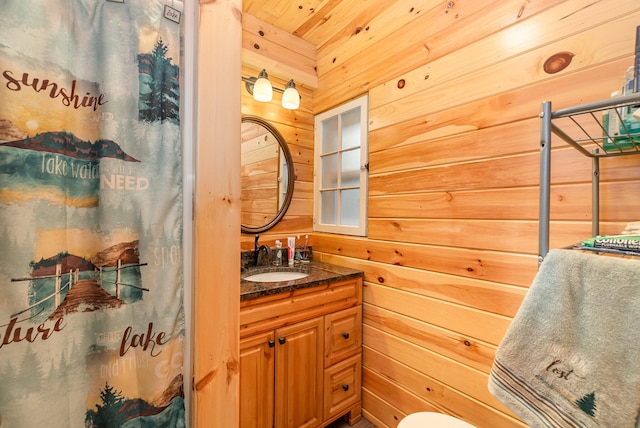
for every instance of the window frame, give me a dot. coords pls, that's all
(361, 229)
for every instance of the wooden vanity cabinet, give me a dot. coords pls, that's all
(300, 357)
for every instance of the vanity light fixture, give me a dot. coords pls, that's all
(262, 90)
(291, 97)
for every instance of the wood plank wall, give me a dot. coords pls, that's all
(455, 91)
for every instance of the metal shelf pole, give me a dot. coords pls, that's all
(595, 195)
(545, 180)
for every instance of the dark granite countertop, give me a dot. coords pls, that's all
(318, 274)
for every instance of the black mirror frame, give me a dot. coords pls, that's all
(291, 176)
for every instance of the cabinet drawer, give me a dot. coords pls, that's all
(342, 386)
(343, 335)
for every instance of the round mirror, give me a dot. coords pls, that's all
(267, 175)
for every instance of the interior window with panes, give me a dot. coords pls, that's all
(341, 163)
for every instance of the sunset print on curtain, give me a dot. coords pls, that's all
(92, 329)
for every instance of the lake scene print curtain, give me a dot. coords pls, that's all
(92, 325)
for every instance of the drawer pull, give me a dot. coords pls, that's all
(282, 340)
(272, 343)
(345, 387)
(345, 335)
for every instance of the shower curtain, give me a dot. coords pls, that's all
(92, 328)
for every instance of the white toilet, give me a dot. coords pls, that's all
(432, 420)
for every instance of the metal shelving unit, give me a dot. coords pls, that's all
(577, 126)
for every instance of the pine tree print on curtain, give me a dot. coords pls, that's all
(159, 86)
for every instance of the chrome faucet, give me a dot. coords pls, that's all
(259, 250)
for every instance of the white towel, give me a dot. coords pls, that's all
(571, 356)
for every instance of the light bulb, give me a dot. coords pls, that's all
(291, 97)
(262, 90)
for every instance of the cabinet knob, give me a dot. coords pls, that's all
(282, 340)
(345, 387)
(345, 335)
(272, 343)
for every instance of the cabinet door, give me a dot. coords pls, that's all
(257, 364)
(299, 374)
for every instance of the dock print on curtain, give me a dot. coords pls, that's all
(92, 327)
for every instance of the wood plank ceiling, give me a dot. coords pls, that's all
(317, 21)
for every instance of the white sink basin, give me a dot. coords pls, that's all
(276, 276)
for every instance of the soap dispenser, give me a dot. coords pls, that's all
(277, 260)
